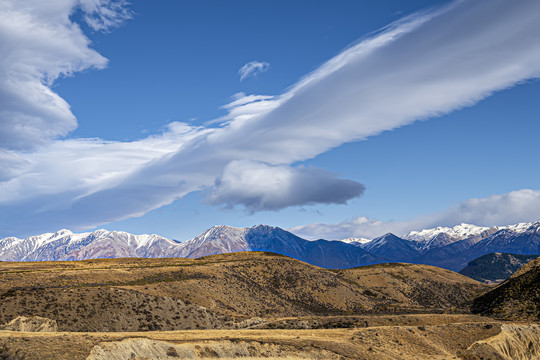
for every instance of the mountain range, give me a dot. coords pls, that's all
(450, 248)
(66, 245)
(453, 248)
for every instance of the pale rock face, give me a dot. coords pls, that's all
(31, 324)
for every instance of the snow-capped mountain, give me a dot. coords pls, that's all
(461, 231)
(523, 238)
(392, 247)
(216, 240)
(441, 236)
(66, 245)
(355, 241)
(451, 248)
(224, 239)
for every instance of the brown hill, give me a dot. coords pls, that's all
(220, 291)
(517, 298)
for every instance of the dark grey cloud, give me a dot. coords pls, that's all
(257, 186)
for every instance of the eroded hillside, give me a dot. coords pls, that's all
(453, 340)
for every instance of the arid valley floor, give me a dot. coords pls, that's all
(256, 305)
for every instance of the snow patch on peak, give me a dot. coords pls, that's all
(63, 232)
(353, 240)
(521, 227)
(263, 227)
(148, 240)
(460, 232)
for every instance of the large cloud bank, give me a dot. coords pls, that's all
(423, 66)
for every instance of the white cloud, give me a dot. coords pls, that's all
(87, 165)
(423, 66)
(103, 15)
(51, 187)
(39, 43)
(259, 186)
(253, 68)
(496, 210)
(501, 209)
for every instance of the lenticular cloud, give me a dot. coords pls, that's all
(423, 66)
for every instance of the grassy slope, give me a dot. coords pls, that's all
(216, 291)
(517, 298)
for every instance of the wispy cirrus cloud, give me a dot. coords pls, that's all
(104, 15)
(423, 66)
(496, 210)
(253, 68)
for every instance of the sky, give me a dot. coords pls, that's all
(330, 119)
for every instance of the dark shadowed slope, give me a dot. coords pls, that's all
(516, 298)
(495, 267)
(393, 248)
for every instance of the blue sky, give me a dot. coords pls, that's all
(358, 117)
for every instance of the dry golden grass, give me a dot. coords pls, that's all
(442, 341)
(219, 291)
(387, 311)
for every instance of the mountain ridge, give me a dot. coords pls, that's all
(450, 248)
(66, 245)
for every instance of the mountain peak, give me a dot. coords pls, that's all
(458, 232)
(224, 227)
(388, 235)
(263, 226)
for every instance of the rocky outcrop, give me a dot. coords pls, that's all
(514, 342)
(140, 348)
(31, 324)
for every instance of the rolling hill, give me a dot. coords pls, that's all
(220, 291)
